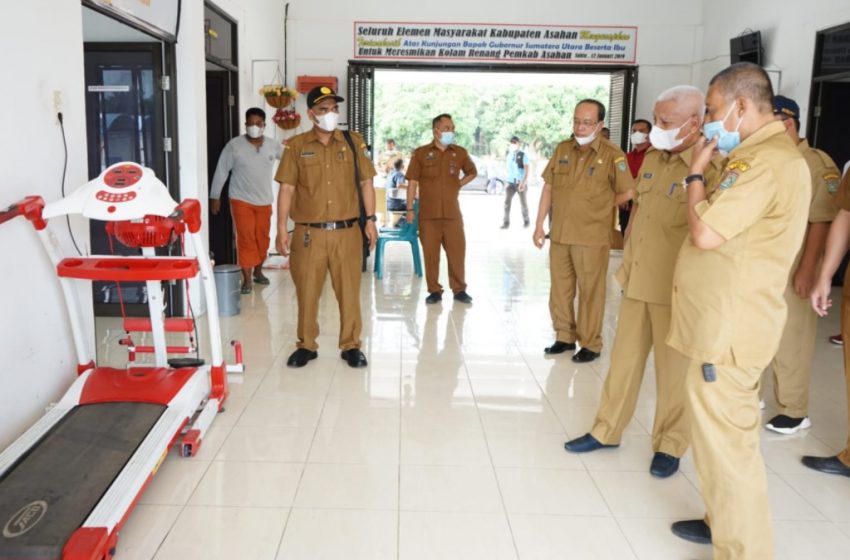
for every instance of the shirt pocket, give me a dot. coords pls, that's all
(312, 169)
(431, 169)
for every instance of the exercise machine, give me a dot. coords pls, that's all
(68, 483)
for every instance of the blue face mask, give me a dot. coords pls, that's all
(726, 141)
(447, 138)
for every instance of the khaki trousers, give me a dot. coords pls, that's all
(449, 235)
(844, 456)
(792, 366)
(725, 426)
(642, 326)
(339, 252)
(585, 267)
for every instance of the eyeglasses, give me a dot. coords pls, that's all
(584, 123)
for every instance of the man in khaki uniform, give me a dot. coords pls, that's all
(836, 247)
(656, 231)
(434, 176)
(792, 366)
(317, 187)
(728, 306)
(585, 177)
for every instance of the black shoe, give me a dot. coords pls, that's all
(354, 357)
(300, 357)
(262, 280)
(663, 465)
(584, 356)
(694, 530)
(526, 223)
(559, 347)
(586, 444)
(829, 465)
(434, 297)
(505, 226)
(787, 425)
(463, 297)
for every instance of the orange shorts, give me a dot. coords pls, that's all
(252, 224)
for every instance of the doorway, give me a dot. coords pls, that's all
(222, 87)
(128, 104)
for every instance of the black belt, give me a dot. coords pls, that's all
(344, 224)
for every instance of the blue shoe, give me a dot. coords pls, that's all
(694, 530)
(663, 465)
(585, 444)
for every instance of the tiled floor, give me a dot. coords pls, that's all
(449, 446)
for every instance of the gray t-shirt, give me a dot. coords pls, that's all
(250, 168)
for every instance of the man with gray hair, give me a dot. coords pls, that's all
(728, 306)
(654, 235)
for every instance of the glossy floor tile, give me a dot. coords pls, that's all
(450, 444)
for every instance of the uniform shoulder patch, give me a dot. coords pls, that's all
(620, 162)
(729, 179)
(738, 165)
(832, 180)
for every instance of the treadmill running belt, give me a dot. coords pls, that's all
(51, 491)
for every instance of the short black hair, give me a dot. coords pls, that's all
(255, 111)
(599, 107)
(745, 79)
(643, 121)
(515, 139)
(390, 140)
(398, 164)
(438, 118)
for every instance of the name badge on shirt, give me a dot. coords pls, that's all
(308, 154)
(430, 156)
(647, 175)
(563, 161)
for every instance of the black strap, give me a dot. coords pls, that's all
(357, 186)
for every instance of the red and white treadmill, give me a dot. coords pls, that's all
(68, 483)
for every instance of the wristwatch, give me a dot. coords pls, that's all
(691, 178)
(372, 217)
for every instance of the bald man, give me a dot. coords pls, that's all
(728, 302)
(658, 227)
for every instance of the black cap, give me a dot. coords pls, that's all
(515, 139)
(784, 106)
(319, 94)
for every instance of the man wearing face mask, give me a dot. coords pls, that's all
(640, 144)
(585, 178)
(517, 164)
(318, 189)
(434, 175)
(792, 366)
(248, 161)
(728, 306)
(659, 226)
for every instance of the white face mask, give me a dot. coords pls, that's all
(666, 139)
(638, 138)
(585, 140)
(254, 131)
(328, 121)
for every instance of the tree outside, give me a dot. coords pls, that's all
(487, 109)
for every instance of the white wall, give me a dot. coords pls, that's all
(788, 32)
(38, 355)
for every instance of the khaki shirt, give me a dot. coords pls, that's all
(660, 225)
(323, 176)
(825, 179)
(842, 198)
(583, 184)
(438, 173)
(728, 304)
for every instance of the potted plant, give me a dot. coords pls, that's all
(286, 119)
(278, 96)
